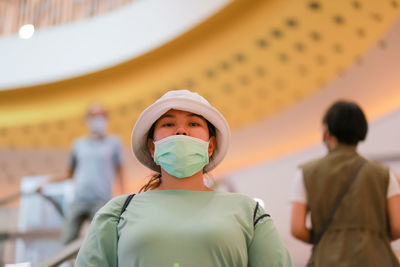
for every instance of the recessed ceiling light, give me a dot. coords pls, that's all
(26, 31)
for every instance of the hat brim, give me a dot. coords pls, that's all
(155, 111)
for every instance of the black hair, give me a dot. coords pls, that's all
(346, 121)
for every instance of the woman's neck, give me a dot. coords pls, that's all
(194, 182)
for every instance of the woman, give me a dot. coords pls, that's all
(366, 218)
(177, 221)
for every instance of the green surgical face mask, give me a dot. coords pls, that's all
(181, 155)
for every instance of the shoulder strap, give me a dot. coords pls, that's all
(256, 220)
(337, 202)
(126, 203)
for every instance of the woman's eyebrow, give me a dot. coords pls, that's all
(166, 116)
(195, 115)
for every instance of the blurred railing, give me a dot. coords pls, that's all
(10, 234)
(47, 13)
(67, 253)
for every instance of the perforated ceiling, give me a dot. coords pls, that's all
(251, 60)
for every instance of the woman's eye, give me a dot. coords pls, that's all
(167, 124)
(194, 124)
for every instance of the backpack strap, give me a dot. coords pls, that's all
(256, 220)
(126, 203)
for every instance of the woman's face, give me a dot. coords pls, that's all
(178, 122)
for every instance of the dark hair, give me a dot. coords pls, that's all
(346, 121)
(155, 179)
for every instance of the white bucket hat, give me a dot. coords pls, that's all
(186, 101)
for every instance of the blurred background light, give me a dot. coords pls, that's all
(26, 31)
(260, 201)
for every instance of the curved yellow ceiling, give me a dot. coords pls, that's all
(251, 60)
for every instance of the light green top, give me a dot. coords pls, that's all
(182, 228)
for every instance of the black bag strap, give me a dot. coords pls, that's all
(337, 202)
(256, 220)
(126, 203)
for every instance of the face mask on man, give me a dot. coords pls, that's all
(180, 155)
(97, 124)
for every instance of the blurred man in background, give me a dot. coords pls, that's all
(96, 160)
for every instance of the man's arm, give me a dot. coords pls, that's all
(393, 204)
(118, 163)
(298, 222)
(68, 175)
(120, 178)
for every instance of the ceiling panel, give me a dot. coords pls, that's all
(252, 60)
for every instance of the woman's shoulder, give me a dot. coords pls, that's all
(238, 198)
(247, 205)
(113, 207)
